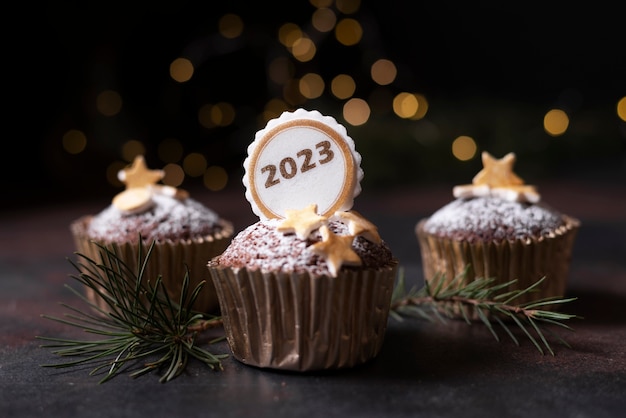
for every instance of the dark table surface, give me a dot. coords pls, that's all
(424, 369)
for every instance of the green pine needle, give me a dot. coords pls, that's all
(140, 322)
(490, 303)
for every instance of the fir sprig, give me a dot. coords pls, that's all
(141, 328)
(490, 302)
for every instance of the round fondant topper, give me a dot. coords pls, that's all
(299, 159)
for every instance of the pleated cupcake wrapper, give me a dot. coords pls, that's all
(301, 323)
(526, 261)
(167, 259)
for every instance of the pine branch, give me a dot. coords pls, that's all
(139, 323)
(491, 304)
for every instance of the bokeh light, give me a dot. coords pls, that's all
(132, 148)
(383, 72)
(348, 31)
(405, 105)
(230, 26)
(621, 109)
(215, 178)
(181, 70)
(555, 122)
(194, 164)
(231, 72)
(174, 175)
(311, 85)
(109, 103)
(348, 6)
(343, 86)
(324, 19)
(356, 111)
(74, 141)
(464, 148)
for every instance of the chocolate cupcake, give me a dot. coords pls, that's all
(308, 286)
(499, 228)
(185, 234)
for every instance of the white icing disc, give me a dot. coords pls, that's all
(298, 159)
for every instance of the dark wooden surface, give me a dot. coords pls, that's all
(424, 369)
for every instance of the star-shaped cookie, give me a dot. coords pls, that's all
(358, 225)
(498, 179)
(138, 174)
(302, 221)
(497, 173)
(139, 183)
(336, 249)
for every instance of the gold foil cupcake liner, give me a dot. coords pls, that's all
(526, 261)
(298, 322)
(168, 259)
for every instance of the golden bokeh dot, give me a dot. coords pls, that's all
(223, 114)
(109, 102)
(303, 49)
(194, 164)
(74, 141)
(311, 85)
(181, 70)
(383, 72)
(348, 32)
(422, 107)
(405, 105)
(555, 122)
(289, 33)
(215, 178)
(132, 148)
(342, 86)
(621, 109)
(205, 117)
(280, 70)
(464, 148)
(324, 19)
(230, 26)
(356, 112)
(348, 6)
(174, 175)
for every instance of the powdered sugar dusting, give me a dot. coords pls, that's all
(488, 218)
(262, 246)
(169, 218)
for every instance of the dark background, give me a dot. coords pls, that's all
(488, 71)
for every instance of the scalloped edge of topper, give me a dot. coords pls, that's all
(287, 117)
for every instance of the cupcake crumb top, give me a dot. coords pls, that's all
(167, 218)
(262, 246)
(489, 218)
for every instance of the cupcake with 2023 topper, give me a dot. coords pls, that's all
(308, 286)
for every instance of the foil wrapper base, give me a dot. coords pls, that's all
(525, 261)
(168, 259)
(296, 322)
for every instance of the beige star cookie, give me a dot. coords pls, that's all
(139, 180)
(497, 173)
(138, 174)
(498, 179)
(336, 249)
(302, 221)
(358, 225)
